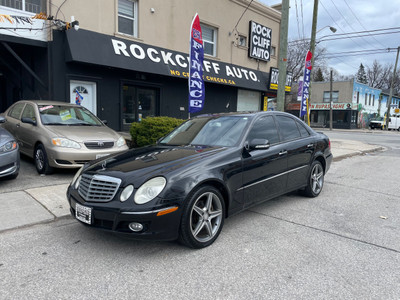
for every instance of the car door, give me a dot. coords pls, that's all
(28, 132)
(13, 120)
(264, 170)
(300, 147)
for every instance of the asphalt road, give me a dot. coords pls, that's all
(343, 244)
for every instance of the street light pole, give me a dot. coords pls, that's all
(312, 43)
(391, 89)
(282, 63)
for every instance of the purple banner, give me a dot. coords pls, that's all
(196, 82)
(306, 84)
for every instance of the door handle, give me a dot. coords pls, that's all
(17, 125)
(283, 152)
(310, 145)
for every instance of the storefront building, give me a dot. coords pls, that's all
(129, 59)
(354, 104)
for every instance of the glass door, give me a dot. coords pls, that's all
(138, 102)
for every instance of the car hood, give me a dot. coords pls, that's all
(84, 133)
(154, 160)
(5, 136)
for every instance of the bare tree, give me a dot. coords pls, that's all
(378, 75)
(297, 51)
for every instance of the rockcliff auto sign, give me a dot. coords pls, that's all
(107, 50)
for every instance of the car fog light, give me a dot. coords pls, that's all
(136, 227)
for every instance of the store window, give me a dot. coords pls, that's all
(273, 51)
(209, 35)
(242, 41)
(33, 6)
(127, 17)
(138, 103)
(335, 96)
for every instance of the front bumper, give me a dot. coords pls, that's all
(9, 163)
(60, 157)
(112, 216)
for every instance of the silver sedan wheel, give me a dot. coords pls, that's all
(317, 178)
(206, 217)
(39, 158)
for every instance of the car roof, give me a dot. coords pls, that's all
(48, 102)
(244, 113)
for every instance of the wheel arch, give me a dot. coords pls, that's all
(322, 160)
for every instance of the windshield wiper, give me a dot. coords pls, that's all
(55, 123)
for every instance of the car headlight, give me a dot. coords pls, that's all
(126, 193)
(63, 142)
(75, 181)
(9, 146)
(121, 142)
(150, 189)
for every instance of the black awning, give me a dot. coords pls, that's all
(99, 49)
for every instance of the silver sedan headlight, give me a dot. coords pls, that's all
(9, 146)
(121, 142)
(63, 142)
(150, 189)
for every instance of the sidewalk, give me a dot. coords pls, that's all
(46, 204)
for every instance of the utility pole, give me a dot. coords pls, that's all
(330, 106)
(391, 90)
(312, 42)
(282, 63)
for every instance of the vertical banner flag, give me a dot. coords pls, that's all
(196, 83)
(306, 84)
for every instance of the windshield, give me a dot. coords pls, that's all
(221, 131)
(67, 115)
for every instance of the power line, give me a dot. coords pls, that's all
(323, 6)
(235, 28)
(355, 16)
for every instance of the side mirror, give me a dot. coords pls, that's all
(2, 119)
(258, 144)
(28, 121)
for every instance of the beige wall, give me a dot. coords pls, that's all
(345, 89)
(169, 25)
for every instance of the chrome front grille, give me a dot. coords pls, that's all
(99, 144)
(98, 188)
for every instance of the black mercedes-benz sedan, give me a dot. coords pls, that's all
(209, 168)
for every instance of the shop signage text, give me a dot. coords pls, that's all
(109, 51)
(273, 80)
(260, 41)
(325, 106)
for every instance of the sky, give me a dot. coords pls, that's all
(348, 16)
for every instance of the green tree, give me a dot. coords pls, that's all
(361, 75)
(319, 76)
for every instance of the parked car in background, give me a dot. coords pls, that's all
(9, 153)
(209, 168)
(60, 135)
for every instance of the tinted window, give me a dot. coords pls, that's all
(264, 128)
(288, 128)
(16, 110)
(303, 130)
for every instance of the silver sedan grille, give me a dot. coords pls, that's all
(98, 188)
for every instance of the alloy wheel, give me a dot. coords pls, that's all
(317, 178)
(206, 217)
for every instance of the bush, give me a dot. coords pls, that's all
(150, 129)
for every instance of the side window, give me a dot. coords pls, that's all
(303, 130)
(288, 128)
(264, 128)
(29, 112)
(15, 112)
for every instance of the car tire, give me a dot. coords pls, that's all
(41, 160)
(203, 217)
(315, 180)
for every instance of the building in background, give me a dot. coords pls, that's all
(354, 104)
(129, 58)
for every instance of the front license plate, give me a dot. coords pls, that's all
(101, 155)
(83, 213)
